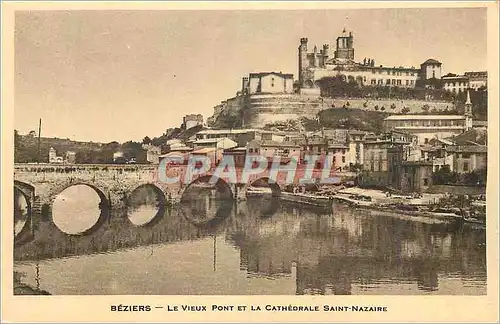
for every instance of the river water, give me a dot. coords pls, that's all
(260, 246)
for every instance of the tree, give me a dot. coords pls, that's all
(444, 176)
(17, 145)
(146, 140)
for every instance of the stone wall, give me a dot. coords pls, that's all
(267, 108)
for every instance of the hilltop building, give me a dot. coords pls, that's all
(470, 80)
(192, 120)
(267, 82)
(427, 127)
(320, 64)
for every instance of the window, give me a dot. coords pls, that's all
(388, 81)
(426, 182)
(374, 81)
(399, 82)
(426, 141)
(466, 166)
(343, 159)
(407, 82)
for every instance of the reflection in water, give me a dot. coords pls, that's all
(76, 209)
(260, 246)
(145, 204)
(21, 212)
(205, 207)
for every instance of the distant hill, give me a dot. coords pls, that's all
(26, 147)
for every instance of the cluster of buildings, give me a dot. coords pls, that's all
(69, 157)
(403, 156)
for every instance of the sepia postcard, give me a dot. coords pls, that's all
(250, 161)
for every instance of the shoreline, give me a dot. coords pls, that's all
(388, 206)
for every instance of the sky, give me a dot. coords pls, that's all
(107, 76)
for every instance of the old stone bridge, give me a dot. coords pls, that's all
(41, 183)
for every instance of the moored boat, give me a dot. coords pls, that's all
(308, 199)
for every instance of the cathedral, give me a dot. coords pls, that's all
(320, 64)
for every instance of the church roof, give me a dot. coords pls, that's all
(431, 61)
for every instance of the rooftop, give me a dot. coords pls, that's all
(173, 154)
(431, 61)
(228, 131)
(274, 143)
(204, 150)
(337, 145)
(468, 149)
(209, 140)
(357, 132)
(261, 74)
(236, 149)
(424, 117)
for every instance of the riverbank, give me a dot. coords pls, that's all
(426, 205)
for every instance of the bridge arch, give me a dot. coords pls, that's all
(22, 214)
(220, 184)
(101, 190)
(138, 218)
(276, 189)
(104, 204)
(27, 188)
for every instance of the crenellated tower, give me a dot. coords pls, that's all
(303, 61)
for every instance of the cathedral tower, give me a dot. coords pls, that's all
(345, 47)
